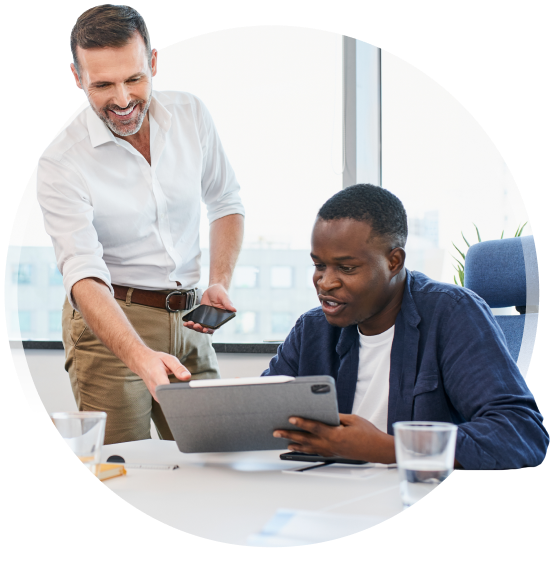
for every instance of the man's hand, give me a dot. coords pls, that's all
(355, 438)
(155, 367)
(215, 296)
(108, 322)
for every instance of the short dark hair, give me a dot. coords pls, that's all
(371, 204)
(107, 26)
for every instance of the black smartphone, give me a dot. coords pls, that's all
(305, 457)
(209, 316)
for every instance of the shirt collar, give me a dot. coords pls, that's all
(100, 133)
(408, 305)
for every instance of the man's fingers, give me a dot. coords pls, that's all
(173, 366)
(296, 436)
(346, 419)
(309, 425)
(197, 327)
(217, 296)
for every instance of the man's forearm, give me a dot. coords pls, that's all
(106, 320)
(226, 235)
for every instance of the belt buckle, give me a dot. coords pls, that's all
(174, 293)
(190, 300)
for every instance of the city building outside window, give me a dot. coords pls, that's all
(284, 138)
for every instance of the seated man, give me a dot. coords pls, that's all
(402, 347)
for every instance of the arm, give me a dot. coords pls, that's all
(68, 218)
(220, 193)
(104, 317)
(501, 425)
(225, 241)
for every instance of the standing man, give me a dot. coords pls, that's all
(120, 189)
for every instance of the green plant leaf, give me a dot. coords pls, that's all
(460, 263)
(455, 281)
(502, 236)
(463, 237)
(463, 256)
(519, 230)
(478, 234)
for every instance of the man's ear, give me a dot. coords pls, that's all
(397, 257)
(76, 76)
(154, 65)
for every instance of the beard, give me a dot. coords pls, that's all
(125, 127)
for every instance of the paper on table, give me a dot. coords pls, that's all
(289, 527)
(345, 471)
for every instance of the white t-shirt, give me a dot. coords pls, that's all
(371, 400)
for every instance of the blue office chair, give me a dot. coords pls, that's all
(505, 273)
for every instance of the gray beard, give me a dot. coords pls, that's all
(124, 130)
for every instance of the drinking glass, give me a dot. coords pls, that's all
(83, 431)
(424, 456)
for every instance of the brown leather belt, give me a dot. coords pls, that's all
(171, 301)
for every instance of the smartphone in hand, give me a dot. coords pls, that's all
(209, 316)
(304, 457)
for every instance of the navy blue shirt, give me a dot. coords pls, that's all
(449, 362)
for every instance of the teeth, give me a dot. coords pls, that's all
(124, 112)
(332, 304)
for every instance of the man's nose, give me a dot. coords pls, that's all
(121, 96)
(327, 281)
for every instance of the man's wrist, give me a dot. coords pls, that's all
(380, 449)
(224, 284)
(137, 357)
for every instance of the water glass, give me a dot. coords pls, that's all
(83, 431)
(424, 456)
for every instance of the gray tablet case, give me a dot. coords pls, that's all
(238, 418)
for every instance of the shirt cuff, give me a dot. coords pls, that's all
(227, 210)
(85, 266)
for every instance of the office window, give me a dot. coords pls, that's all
(275, 94)
(245, 322)
(281, 322)
(445, 169)
(25, 321)
(246, 277)
(22, 273)
(55, 277)
(281, 277)
(55, 321)
(310, 277)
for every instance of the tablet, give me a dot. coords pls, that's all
(241, 414)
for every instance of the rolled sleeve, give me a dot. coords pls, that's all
(220, 188)
(68, 219)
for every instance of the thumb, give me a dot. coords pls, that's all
(176, 368)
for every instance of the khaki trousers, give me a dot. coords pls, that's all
(101, 382)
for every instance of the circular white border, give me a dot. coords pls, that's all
(185, 539)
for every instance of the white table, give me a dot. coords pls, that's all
(229, 496)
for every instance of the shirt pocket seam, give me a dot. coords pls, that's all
(426, 382)
(74, 329)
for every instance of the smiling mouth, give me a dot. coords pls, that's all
(124, 113)
(331, 307)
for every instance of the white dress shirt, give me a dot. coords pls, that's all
(371, 400)
(114, 217)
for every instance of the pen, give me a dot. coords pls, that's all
(306, 468)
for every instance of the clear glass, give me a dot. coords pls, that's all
(424, 456)
(83, 431)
